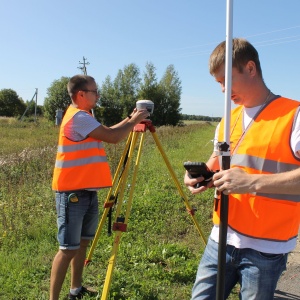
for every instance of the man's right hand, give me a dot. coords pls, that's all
(191, 182)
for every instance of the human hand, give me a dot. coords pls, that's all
(139, 115)
(233, 181)
(191, 182)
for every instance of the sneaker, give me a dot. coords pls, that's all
(83, 291)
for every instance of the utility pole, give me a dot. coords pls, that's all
(36, 93)
(35, 107)
(83, 68)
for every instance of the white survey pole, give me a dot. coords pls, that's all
(228, 69)
(225, 152)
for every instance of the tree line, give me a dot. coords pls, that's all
(118, 97)
(200, 118)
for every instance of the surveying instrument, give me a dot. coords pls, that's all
(116, 193)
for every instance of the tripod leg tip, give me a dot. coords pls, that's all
(86, 262)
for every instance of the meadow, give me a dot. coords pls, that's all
(158, 254)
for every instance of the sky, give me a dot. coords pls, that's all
(43, 41)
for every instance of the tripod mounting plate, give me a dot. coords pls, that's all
(143, 126)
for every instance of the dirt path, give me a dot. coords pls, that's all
(288, 286)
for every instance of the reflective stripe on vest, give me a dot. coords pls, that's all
(79, 162)
(264, 149)
(78, 147)
(266, 166)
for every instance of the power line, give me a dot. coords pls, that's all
(181, 53)
(278, 30)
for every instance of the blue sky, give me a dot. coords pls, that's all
(45, 40)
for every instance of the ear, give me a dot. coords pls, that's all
(80, 94)
(251, 68)
(78, 97)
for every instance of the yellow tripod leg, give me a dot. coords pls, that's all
(134, 176)
(121, 223)
(111, 265)
(182, 194)
(110, 200)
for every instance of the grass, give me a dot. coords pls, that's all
(158, 255)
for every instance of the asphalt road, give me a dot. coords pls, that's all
(288, 286)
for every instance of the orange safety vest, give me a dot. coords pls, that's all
(263, 149)
(79, 165)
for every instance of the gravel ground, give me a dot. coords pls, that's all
(288, 286)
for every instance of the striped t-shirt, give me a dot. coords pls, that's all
(80, 126)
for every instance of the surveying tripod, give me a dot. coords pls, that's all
(119, 184)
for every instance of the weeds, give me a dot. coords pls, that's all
(158, 255)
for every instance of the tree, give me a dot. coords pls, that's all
(58, 98)
(111, 108)
(150, 90)
(165, 95)
(129, 82)
(118, 97)
(169, 103)
(10, 104)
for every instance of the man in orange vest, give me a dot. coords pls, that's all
(81, 169)
(262, 182)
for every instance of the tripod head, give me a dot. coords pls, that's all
(143, 126)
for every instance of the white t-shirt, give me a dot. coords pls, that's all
(238, 240)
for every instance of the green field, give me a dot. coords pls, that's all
(158, 255)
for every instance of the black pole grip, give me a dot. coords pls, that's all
(223, 230)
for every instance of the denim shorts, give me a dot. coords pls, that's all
(77, 217)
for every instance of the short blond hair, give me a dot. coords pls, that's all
(242, 53)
